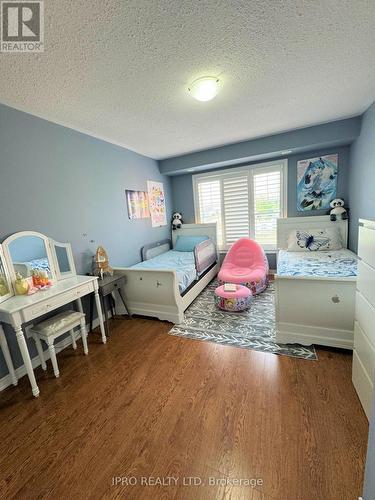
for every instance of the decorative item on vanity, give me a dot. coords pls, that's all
(338, 211)
(177, 220)
(21, 285)
(101, 266)
(233, 298)
(245, 264)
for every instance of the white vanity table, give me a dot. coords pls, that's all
(67, 287)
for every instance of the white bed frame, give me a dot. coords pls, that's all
(155, 293)
(314, 310)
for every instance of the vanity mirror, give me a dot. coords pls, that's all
(6, 290)
(63, 259)
(28, 252)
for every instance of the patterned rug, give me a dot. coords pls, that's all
(251, 329)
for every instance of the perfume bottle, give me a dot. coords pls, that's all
(21, 285)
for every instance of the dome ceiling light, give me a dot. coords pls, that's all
(204, 88)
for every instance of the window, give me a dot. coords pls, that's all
(244, 202)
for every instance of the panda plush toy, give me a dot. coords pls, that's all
(338, 211)
(177, 221)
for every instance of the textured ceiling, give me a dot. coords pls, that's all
(118, 70)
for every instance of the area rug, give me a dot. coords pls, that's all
(251, 329)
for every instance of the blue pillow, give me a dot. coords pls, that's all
(188, 243)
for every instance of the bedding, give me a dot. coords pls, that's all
(337, 263)
(314, 240)
(181, 262)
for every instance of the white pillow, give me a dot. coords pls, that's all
(304, 240)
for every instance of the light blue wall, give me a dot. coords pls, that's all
(182, 186)
(318, 137)
(71, 187)
(362, 175)
(183, 200)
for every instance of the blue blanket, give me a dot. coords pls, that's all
(181, 262)
(338, 263)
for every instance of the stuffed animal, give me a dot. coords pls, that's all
(177, 220)
(338, 212)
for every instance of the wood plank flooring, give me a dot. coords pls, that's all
(149, 405)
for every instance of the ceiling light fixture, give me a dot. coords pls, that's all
(204, 88)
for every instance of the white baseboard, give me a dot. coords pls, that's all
(59, 346)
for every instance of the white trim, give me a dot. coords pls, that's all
(250, 170)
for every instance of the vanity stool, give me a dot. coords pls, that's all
(54, 327)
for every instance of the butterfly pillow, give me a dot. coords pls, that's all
(314, 240)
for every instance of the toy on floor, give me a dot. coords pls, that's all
(177, 221)
(234, 301)
(338, 211)
(245, 264)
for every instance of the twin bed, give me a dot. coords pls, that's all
(315, 290)
(167, 281)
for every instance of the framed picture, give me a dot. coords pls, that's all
(316, 182)
(137, 203)
(156, 199)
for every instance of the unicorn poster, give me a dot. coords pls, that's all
(156, 200)
(316, 182)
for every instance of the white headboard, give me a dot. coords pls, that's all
(285, 226)
(196, 230)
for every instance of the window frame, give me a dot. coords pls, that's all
(250, 170)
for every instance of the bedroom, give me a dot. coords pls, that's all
(183, 399)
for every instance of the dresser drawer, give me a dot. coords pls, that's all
(362, 383)
(366, 245)
(365, 315)
(366, 281)
(365, 351)
(113, 285)
(48, 305)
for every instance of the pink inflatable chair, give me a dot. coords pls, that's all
(245, 264)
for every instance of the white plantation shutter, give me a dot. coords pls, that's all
(209, 203)
(236, 207)
(244, 202)
(266, 206)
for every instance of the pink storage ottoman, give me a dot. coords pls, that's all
(233, 301)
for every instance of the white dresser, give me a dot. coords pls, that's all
(363, 374)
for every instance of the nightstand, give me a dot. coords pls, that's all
(107, 286)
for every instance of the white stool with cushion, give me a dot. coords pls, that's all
(54, 327)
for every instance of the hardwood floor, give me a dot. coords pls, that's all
(149, 405)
